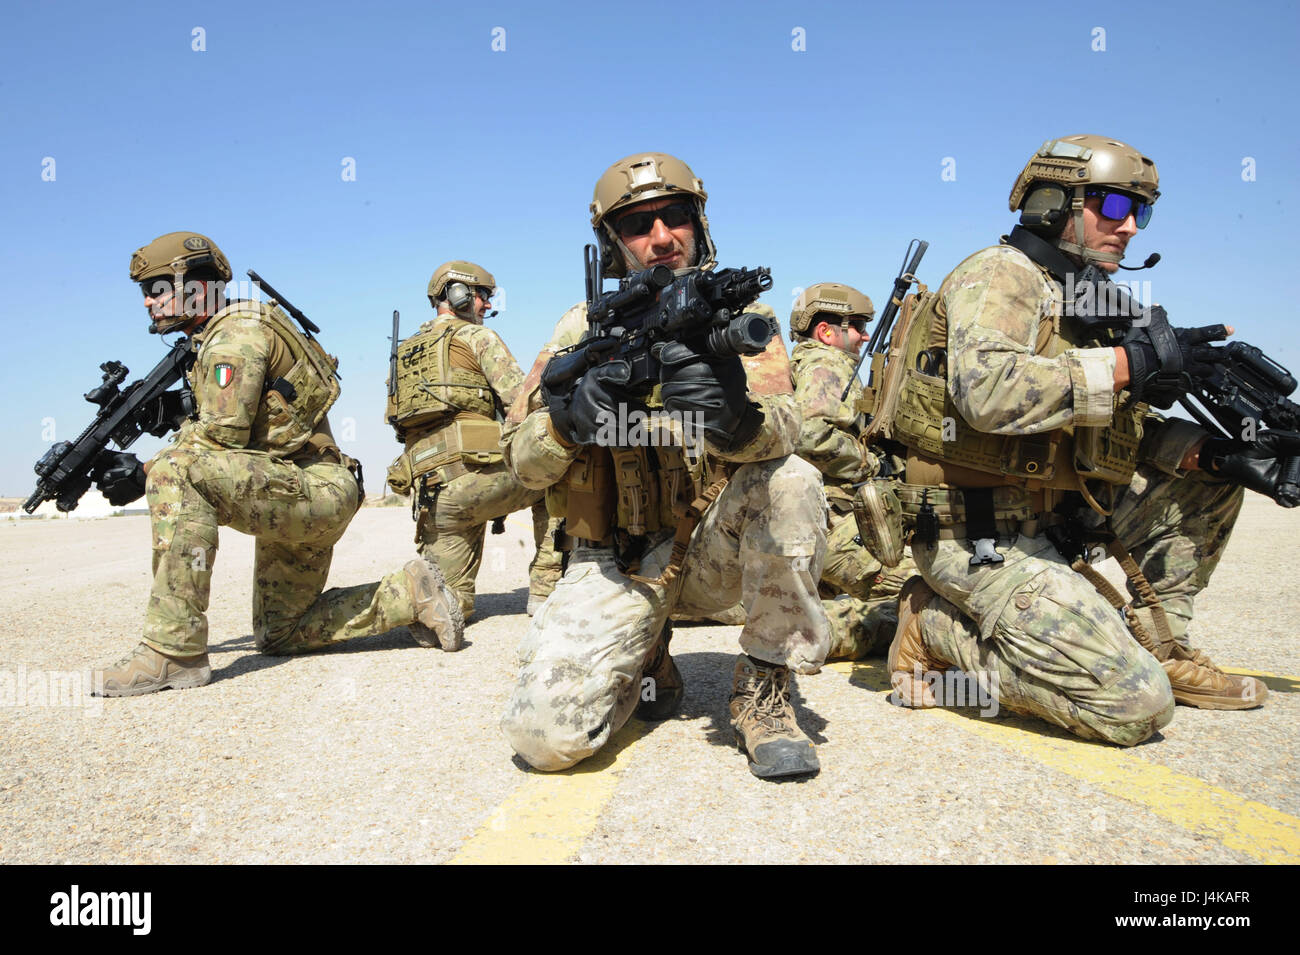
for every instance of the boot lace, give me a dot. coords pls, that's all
(768, 700)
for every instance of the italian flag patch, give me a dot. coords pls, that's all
(222, 373)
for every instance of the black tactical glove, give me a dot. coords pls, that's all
(120, 476)
(593, 403)
(1269, 465)
(1164, 361)
(713, 390)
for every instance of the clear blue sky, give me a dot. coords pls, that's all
(820, 163)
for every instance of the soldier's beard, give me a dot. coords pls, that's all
(633, 264)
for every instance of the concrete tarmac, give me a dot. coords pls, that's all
(382, 751)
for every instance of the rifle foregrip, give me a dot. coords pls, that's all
(562, 371)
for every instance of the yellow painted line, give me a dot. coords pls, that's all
(1279, 682)
(548, 818)
(1259, 831)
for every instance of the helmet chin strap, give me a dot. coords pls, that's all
(173, 322)
(1078, 249)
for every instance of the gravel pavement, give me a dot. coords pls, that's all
(382, 751)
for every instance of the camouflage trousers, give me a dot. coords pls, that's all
(451, 532)
(297, 514)
(1058, 650)
(762, 543)
(859, 594)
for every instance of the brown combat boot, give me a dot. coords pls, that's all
(909, 658)
(145, 670)
(661, 697)
(764, 721)
(438, 620)
(1196, 681)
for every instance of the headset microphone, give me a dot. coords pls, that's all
(1152, 259)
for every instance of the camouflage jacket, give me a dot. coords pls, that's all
(997, 303)
(233, 364)
(828, 439)
(538, 459)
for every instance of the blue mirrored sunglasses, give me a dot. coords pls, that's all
(1120, 205)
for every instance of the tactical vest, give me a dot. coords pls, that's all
(921, 414)
(437, 377)
(444, 409)
(641, 491)
(298, 396)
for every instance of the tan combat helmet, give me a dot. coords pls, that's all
(640, 178)
(828, 302)
(172, 257)
(1055, 178)
(454, 283)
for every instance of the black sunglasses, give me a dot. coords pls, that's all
(640, 223)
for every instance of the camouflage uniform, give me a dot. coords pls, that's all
(219, 472)
(451, 530)
(1060, 651)
(761, 542)
(859, 594)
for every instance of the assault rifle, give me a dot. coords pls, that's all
(308, 326)
(878, 344)
(651, 308)
(392, 363)
(1245, 389)
(66, 471)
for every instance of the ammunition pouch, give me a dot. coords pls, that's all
(926, 417)
(879, 515)
(1016, 510)
(1110, 453)
(441, 456)
(586, 498)
(636, 490)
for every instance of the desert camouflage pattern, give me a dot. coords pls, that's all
(761, 544)
(998, 301)
(860, 596)
(296, 513)
(237, 353)
(210, 477)
(1059, 649)
(453, 534)
(828, 439)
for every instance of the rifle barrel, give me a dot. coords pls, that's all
(289, 307)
